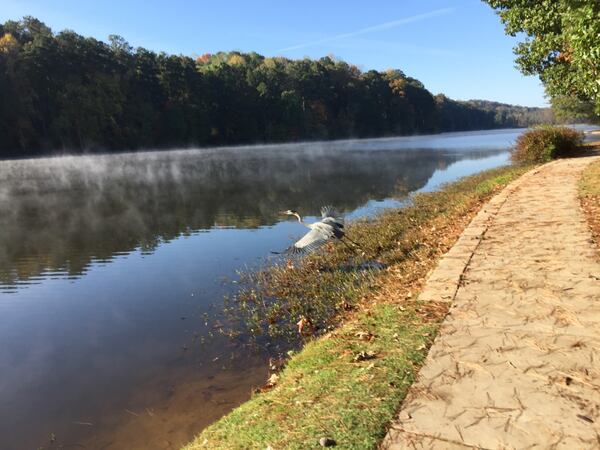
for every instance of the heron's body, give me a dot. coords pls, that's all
(331, 226)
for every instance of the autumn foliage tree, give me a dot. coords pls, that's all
(561, 45)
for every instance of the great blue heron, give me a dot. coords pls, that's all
(331, 226)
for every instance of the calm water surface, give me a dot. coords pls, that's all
(110, 264)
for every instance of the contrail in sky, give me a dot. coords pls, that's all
(374, 28)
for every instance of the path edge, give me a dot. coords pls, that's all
(444, 281)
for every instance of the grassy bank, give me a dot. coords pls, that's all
(589, 192)
(347, 383)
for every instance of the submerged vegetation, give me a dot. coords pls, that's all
(63, 91)
(347, 384)
(545, 143)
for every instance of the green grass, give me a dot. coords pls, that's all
(324, 391)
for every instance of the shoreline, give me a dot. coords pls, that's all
(248, 146)
(288, 407)
(381, 342)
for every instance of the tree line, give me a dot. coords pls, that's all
(66, 92)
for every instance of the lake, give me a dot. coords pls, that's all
(111, 267)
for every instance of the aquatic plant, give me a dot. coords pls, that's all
(306, 296)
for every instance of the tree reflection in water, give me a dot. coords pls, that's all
(59, 214)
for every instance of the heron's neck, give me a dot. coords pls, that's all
(300, 219)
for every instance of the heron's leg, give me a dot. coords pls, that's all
(341, 239)
(354, 243)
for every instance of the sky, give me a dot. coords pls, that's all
(455, 47)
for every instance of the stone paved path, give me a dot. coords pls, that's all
(517, 361)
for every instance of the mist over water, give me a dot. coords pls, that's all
(110, 264)
(60, 213)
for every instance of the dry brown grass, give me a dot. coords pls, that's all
(589, 188)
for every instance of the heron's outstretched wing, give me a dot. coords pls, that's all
(329, 214)
(312, 240)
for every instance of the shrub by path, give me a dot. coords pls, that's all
(517, 361)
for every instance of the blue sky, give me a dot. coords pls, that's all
(457, 47)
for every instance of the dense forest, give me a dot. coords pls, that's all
(65, 92)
